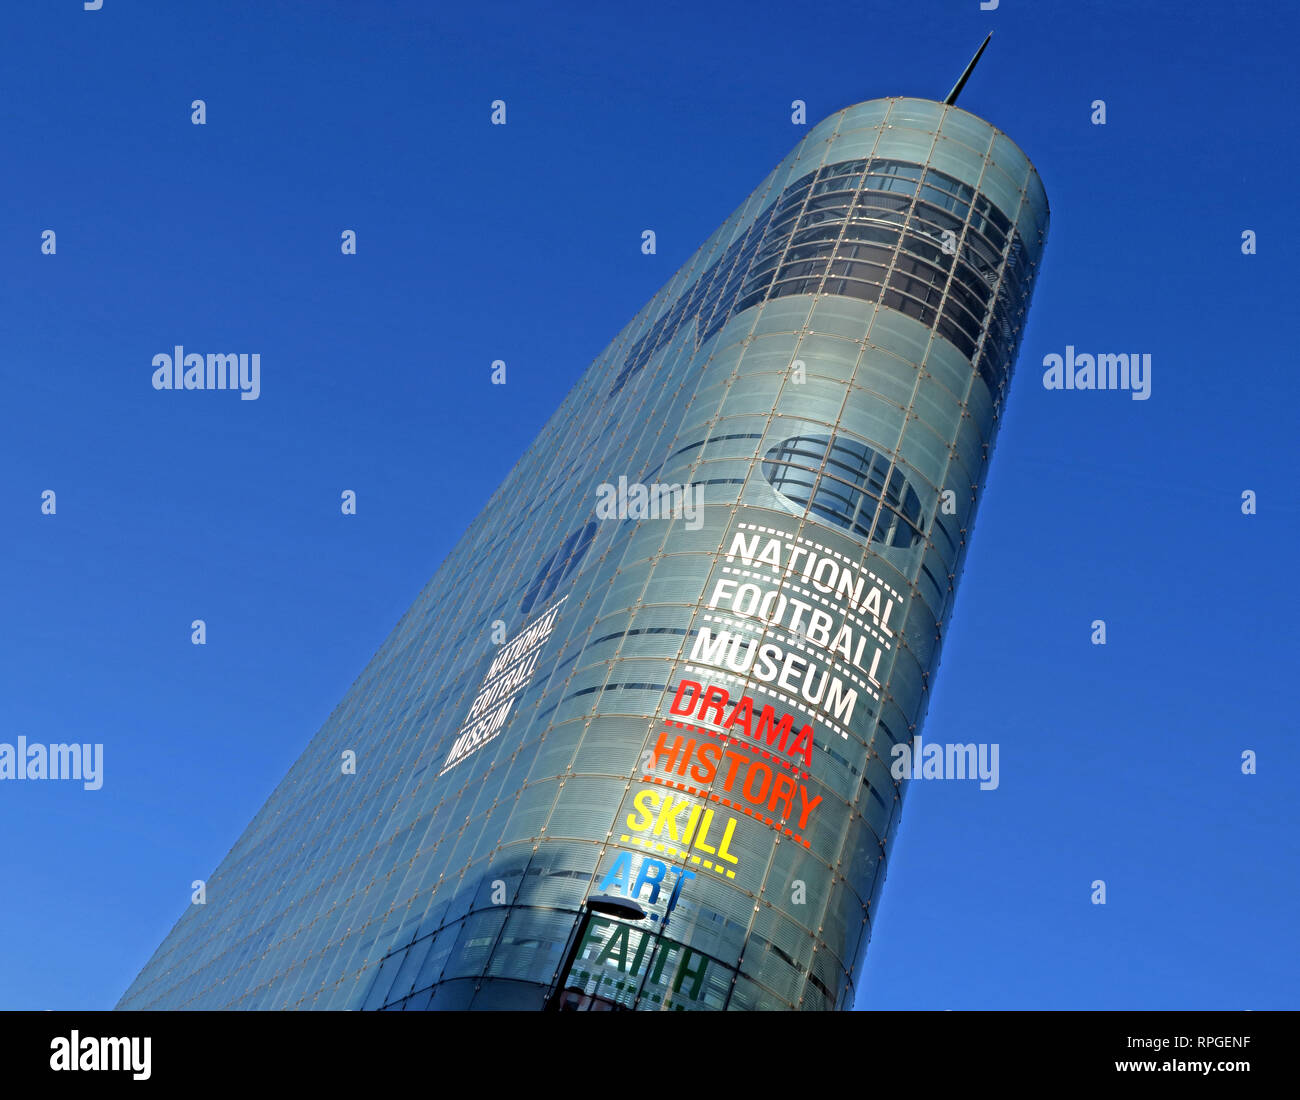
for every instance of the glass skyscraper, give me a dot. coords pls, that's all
(669, 660)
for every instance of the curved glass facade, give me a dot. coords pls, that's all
(670, 658)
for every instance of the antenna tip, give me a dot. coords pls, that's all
(951, 98)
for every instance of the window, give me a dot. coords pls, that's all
(558, 566)
(846, 482)
(854, 211)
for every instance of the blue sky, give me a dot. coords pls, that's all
(522, 243)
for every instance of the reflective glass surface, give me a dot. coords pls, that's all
(670, 659)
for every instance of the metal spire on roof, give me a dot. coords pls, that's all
(961, 83)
